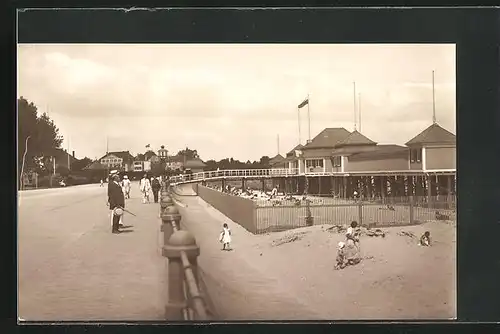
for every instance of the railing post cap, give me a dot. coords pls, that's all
(171, 210)
(182, 238)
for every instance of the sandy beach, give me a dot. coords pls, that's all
(397, 278)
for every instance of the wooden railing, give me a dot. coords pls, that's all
(284, 172)
(233, 173)
(185, 300)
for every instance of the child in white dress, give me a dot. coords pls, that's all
(225, 237)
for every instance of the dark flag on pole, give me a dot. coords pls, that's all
(304, 103)
(148, 146)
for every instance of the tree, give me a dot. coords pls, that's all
(188, 154)
(43, 136)
(211, 165)
(158, 168)
(265, 162)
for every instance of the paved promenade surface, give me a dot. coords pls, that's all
(238, 289)
(72, 268)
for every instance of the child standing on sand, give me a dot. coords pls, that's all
(225, 237)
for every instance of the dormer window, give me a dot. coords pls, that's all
(416, 155)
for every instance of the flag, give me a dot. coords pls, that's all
(304, 103)
(148, 146)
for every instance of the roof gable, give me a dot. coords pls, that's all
(292, 151)
(355, 138)
(149, 154)
(434, 134)
(276, 159)
(327, 138)
(96, 165)
(125, 155)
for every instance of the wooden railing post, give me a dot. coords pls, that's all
(412, 213)
(360, 213)
(169, 215)
(176, 304)
(182, 253)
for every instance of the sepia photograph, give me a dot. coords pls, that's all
(236, 182)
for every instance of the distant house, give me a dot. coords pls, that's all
(175, 162)
(151, 156)
(316, 155)
(337, 150)
(142, 162)
(60, 158)
(433, 149)
(120, 160)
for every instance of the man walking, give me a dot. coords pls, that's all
(116, 201)
(126, 186)
(155, 186)
(145, 187)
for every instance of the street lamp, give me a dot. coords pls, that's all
(24, 158)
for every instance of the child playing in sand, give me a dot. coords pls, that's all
(351, 233)
(225, 237)
(425, 239)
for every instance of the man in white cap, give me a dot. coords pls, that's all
(126, 186)
(116, 202)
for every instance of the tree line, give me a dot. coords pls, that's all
(42, 137)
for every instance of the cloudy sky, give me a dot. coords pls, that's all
(233, 100)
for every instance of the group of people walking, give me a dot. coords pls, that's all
(146, 186)
(119, 190)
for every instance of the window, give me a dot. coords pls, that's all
(337, 161)
(416, 155)
(314, 163)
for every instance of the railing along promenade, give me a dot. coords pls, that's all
(185, 300)
(287, 172)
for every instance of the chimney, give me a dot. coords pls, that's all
(73, 154)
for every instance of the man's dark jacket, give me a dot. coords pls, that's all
(115, 196)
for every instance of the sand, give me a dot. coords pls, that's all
(397, 279)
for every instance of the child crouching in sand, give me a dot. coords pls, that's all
(425, 239)
(225, 237)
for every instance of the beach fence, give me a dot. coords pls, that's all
(279, 214)
(187, 300)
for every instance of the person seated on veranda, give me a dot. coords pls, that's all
(425, 239)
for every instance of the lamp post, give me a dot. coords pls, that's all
(24, 158)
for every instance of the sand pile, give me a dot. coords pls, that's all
(396, 278)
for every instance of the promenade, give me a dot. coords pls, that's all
(72, 268)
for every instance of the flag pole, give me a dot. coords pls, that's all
(355, 127)
(309, 116)
(278, 144)
(433, 101)
(69, 161)
(359, 111)
(298, 115)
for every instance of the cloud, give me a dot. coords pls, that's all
(233, 99)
